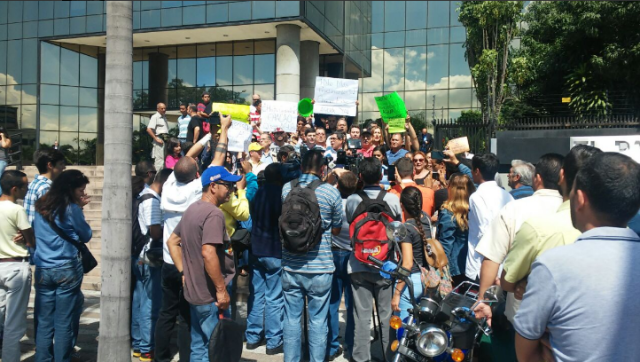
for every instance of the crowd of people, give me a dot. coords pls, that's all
(287, 214)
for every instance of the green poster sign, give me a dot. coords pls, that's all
(391, 106)
(396, 125)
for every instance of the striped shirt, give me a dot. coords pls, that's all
(320, 259)
(149, 212)
(183, 125)
(37, 188)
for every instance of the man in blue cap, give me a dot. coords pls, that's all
(199, 248)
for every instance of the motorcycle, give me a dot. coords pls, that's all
(437, 329)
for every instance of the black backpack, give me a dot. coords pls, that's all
(138, 239)
(301, 223)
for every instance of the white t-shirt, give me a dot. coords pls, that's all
(158, 124)
(12, 219)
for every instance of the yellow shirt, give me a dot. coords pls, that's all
(234, 210)
(13, 218)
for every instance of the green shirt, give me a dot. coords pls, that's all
(536, 236)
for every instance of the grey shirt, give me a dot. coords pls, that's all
(584, 293)
(355, 266)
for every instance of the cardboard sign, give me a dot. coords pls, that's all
(335, 96)
(238, 112)
(239, 135)
(391, 106)
(396, 125)
(627, 145)
(279, 114)
(459, 145)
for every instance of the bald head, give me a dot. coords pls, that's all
(162, 108)
(186, 170)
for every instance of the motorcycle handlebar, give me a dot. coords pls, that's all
(375, 261)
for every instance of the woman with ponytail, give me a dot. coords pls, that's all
(453, 225)
(412, 248)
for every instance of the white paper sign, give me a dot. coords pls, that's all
(627, 145)
(336, 96)
(239, 137)
(279, 114)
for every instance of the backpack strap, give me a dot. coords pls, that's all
(295, 183)
(363, 195)
(146, 197)
(315, 184)
(381, 195)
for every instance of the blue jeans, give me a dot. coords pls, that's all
(147, 298)
(405, 298)
(3, 165)
(317, 289)
(204, 319)
(341, 281)
(266, 301)
(58, 307)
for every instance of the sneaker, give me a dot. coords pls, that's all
(277, 350)
(335, 355)
(136, 353)
(252, 346)
(146, 357)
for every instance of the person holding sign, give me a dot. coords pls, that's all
(204, 111)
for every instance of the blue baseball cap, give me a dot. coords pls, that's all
(218, 173)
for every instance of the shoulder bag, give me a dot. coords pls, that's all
(88, 261)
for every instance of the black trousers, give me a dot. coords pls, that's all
(173, 305)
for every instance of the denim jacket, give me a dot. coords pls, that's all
(453, 240)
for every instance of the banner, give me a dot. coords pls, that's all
(391, 106)
(239, 137)
(279, 114)
(335, 96)
(238, 112)
(627, 145)
(396, 125)
(459, 145)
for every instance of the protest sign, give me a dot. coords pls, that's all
(624, 144)
(396, 125)
(239, 137)
(335, 96)
(458, 145)
(279, 114)
(391, 106)
(238, 112)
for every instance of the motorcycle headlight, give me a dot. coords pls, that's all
(432, 342)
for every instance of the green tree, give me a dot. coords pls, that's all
(491, 27)
(587, 50)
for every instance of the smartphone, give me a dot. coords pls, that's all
(391, 172)
(435, 175)
(438, 155)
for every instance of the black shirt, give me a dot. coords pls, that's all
(195, 122)
(417, 243)
(440, 197)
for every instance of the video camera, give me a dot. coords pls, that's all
(351, 163)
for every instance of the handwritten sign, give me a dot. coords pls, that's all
(391, 106)
(396, 125)
(459, 145)
(238, 112)
(279, 114)
(336, 96)
(239, 136)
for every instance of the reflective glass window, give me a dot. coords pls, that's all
(45, 10)
(150, 5)
(88, 71)
(14, 31)
(242, 94)
(29, 93)
(377, 40)
(48, 138)
(30, 10)
(88, 119)
(3, 61)
(243, 48)
(394, 15)
(14, 62)
(88, 97)
(193, 15)
(68, 145)
(45, 28)
(454, 13)
(266, 91)
(78, 8)
(438, 14)
(15, 11)
(460, 98)
(287, 8)
(264, 46)
(438, 36)
(3, 100)
(171, 4)
(28, 117)
(243, 69)
(240, 11)
(94, 23)
(224, 70)
(61, 9)
(49, 63)
(458, 35)
(415, 68)
(4, 6)
(150, 19)
(206, 71)
(416, 14)
(49, 118)
(394, 39)
(377, 16)
(459, 68)
(30, 61)
(217, 13)
(30, 29)
(437, 99)
(264, 68)
(192, 3)
(263, 9)
(438, 66)
(136, 20)
(97, 7)
(3, 31)
(49, 94)
(69, 66)
(13, 94)
(414, 100)
(172, 17)
(77, 25)
(187, 72)
(69, 96)
(394, 69)
(374, 83)
(61, 27)
(416, 37)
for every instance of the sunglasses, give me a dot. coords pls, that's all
(229, 186)
(418, 160)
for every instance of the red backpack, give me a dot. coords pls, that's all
(367, 229)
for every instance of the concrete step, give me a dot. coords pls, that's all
(94, 204)
(93, 214)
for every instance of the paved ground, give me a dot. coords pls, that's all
(89, 326)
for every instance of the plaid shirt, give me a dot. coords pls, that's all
(37, 188)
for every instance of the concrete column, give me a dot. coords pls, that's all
(288, 63)
(102, 65)
(158, 78)
(309, 67)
